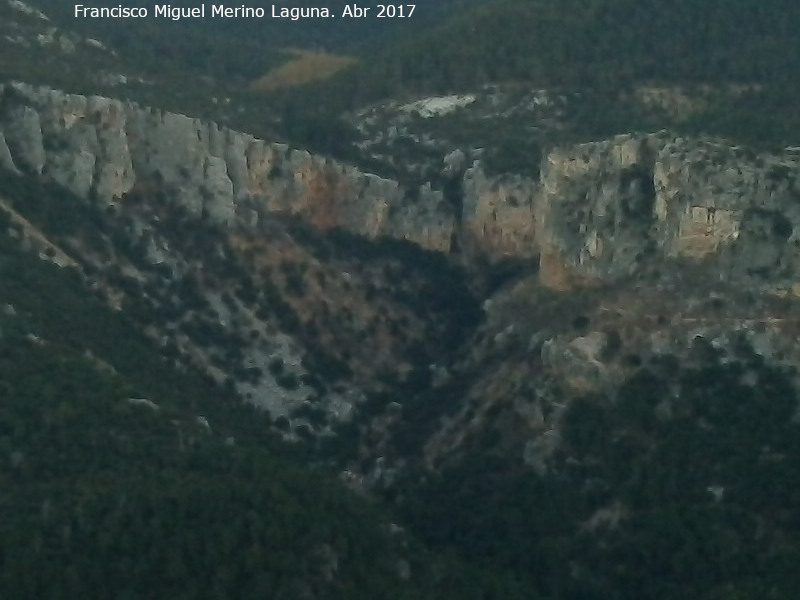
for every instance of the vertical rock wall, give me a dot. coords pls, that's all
(599, 212)
(103, 149)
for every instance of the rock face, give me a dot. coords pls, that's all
(611, 208)
(498, 215)
(600, 212)
(105, 149)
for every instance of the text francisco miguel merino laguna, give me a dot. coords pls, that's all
(176, 13)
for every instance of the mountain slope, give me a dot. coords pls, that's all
(569, 367)
(610, 42)
(129, 473)
(729, 64)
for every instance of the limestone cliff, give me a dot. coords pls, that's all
(599, 212)
(104, 149)
(610, 209)
(498, 214)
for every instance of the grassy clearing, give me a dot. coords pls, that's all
(304, 67)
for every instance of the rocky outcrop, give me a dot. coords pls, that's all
(595, 208)
(610, 209)
(105, 149)
(600, 211)
(498, 215)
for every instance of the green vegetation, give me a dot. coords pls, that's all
(732, 58)
(681, 486)
(126, 475)
(202, 67)
(427, 283)
(591, 43)
(108, 498)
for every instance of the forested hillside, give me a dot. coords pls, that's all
(606, 50)
(128, 475)
(635, 504)
(602, 43)
(246, 47)
(732, 60)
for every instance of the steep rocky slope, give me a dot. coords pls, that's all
(204, 235)
(659, 193)
(600, 213)
(125, 476)
(348, 306)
